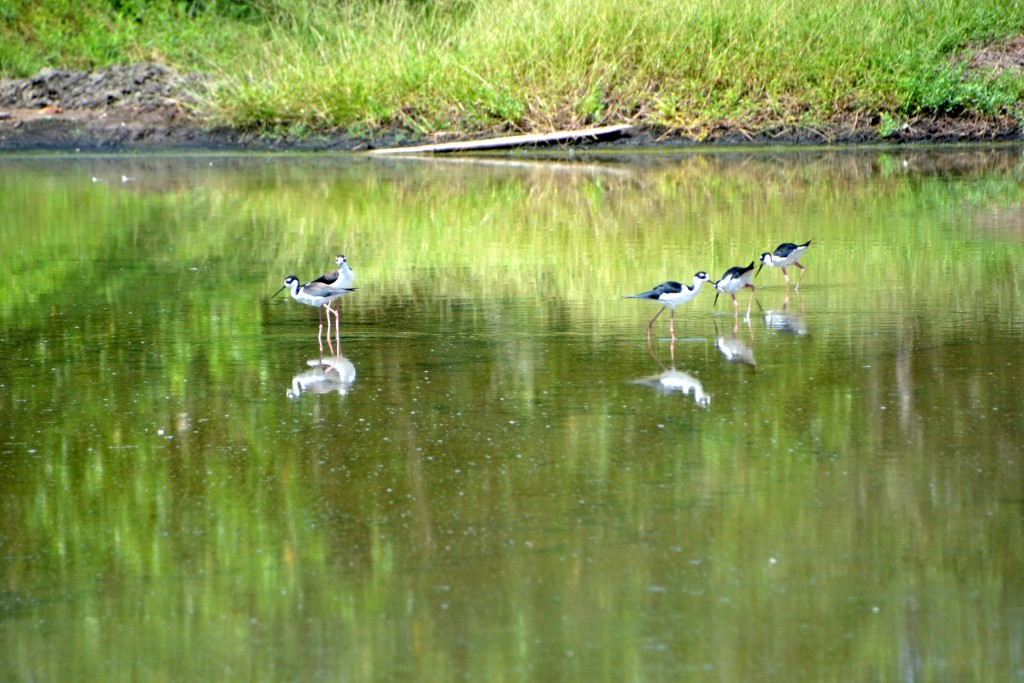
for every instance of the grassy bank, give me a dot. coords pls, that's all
(462, 65)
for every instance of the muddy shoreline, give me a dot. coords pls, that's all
(147, 107)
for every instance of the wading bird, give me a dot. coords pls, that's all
(315, 294)
(669, 295)
(344, 276)
(785, 255)
(734, 280)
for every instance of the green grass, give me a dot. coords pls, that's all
(422, 66)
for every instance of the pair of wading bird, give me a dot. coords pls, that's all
(331, 286)
(321, 292)
(671, 294)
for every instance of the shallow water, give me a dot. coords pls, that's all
(499, 478)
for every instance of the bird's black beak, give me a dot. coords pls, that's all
(716, 299)
(759, 268)
(279, 291)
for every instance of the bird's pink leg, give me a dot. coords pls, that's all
(802, 271)
(785, 275)
(751, 302)
(672, 325)
(337, 330)
(329, 346)
(320, 333)
(650, 325)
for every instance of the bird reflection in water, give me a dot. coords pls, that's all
(327, 375)
(735, 349)
(672, 380)
(786, 320)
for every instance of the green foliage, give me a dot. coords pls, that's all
(888, 125)
(427, 65)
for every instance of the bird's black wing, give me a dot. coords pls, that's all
(327, 278)
(670, 287)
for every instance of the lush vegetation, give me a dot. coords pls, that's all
(435, 65)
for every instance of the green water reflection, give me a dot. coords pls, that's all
(501, 480)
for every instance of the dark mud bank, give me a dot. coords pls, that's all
(148, 107)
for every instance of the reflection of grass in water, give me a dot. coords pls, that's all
(585, 232)
(580, 231)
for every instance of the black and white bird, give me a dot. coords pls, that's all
(344, 276)
(341, 278)
(785, 255)
(669, 295)
(733, 281)
(315, 294)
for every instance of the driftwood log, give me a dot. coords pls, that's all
(561, 137)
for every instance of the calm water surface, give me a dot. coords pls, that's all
(499, 478)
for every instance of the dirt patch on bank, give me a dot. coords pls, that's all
(150, 107)
(999, 58)
(141, 106)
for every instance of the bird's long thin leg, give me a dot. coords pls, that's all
(329, 310)
(320, 334)
(650, 325)
(785, 274)
(672, 324)
(337, 329)
(750, 303)
(329, 345)
(802, 271)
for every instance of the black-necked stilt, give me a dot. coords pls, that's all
(734, 280)
(315, 294)
(671, 294)
(344, 276)
(785, 255)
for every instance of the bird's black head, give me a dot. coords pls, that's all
(289, 281)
